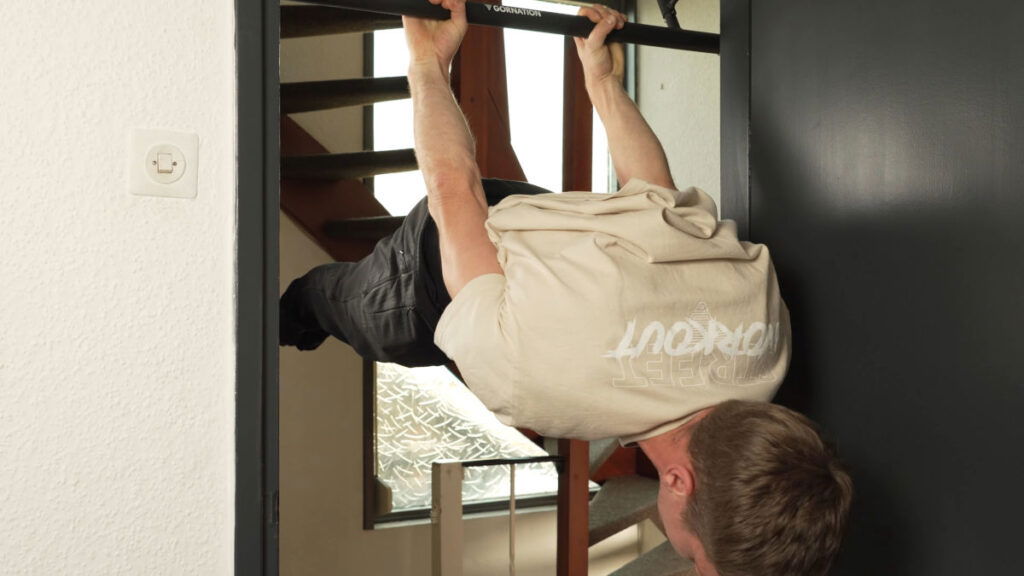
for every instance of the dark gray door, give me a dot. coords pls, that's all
(887, 177)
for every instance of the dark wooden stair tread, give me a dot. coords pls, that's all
(303, 21)
(327, 94)
(347, 166)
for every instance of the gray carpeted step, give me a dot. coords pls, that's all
(622, 502)
(600, 451)
(659, 561)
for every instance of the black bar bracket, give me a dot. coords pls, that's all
(668, 12)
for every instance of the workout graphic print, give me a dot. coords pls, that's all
(696, 351)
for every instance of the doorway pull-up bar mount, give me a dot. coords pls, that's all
(537, 21)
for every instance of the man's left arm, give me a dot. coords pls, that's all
(445, 150)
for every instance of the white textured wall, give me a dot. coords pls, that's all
(678, 93)
(116, 311)
(331, 57)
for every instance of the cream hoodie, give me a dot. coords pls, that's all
(619, 315)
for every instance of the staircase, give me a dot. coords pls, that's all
(625, 501)
(324, 193)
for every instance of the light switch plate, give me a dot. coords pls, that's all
(145, 147)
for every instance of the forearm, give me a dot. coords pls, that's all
(635, 150)
(455, 196)
(445, 150)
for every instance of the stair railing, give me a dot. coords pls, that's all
(446, 509)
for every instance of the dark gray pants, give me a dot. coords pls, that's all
(387, 305)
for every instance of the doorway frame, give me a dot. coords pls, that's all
(257, 33)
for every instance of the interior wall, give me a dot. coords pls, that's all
(331, 57)
(678, 93)
(117, 350)
(886, 178)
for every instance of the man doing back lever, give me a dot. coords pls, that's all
(637, 315)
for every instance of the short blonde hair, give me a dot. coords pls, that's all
(771, 497)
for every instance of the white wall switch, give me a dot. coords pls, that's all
(163, 163)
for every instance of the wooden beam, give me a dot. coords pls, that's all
(623, 462)
(577, 124)
(480, 85)
(573, 482)
(573, 508)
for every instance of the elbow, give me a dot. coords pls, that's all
(455, 185)
(666, 183)
(661, 177)
(450, 180)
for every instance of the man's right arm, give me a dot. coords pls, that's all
(635, 150)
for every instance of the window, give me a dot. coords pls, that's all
(426, 414)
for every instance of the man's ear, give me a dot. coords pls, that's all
(678, 479)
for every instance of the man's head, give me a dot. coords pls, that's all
(754, 490)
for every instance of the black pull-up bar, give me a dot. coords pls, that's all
(537, 21)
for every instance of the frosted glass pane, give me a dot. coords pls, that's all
(426, 414)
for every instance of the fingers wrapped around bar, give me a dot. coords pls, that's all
(601, 61)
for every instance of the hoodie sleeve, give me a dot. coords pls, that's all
(474, 332)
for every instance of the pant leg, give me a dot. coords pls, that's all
(332, 300)
(306, 313)
(496, 189)
(370, 304)
(387, 305)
